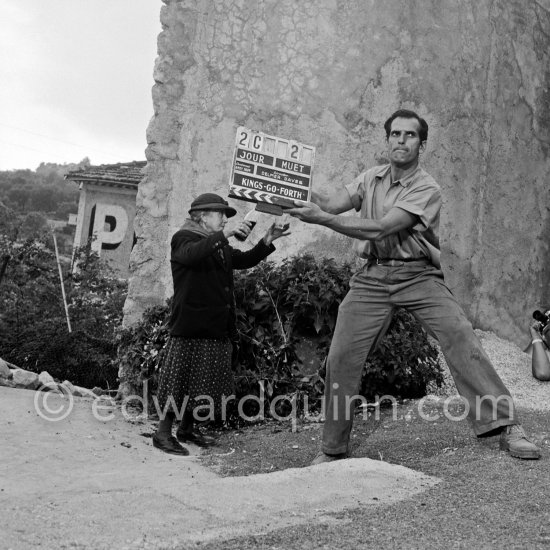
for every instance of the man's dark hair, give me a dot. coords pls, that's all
(405, 113)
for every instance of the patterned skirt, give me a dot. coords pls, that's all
(196, 372)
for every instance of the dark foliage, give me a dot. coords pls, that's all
(404, 362)
(277, 307)
(140, 348)
(44, 190)
(33, 326)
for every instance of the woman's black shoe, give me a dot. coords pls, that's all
(195, 437)
(169, 444)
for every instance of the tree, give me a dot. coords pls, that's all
(33, 225)
(40, 191)
(19, 197)
(43, 199)
(7, 220)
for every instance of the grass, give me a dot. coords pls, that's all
(487, 499)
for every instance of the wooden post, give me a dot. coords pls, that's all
(61, 280)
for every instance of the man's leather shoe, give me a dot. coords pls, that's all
(321, 458)
(195, 437)
(169, 444)
(514, 440)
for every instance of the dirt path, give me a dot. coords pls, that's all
(83, 483)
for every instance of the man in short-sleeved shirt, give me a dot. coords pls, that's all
(397, 233)
(373, 194)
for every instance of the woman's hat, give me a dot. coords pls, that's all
(211, 201)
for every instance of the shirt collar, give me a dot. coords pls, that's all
(405, 182)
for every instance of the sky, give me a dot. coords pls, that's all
(76, 79)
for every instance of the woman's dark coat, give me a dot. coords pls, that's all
(202, 270)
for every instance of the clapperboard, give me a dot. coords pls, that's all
(270, 171)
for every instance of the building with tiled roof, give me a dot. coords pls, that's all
(106, 210)
(123, 174)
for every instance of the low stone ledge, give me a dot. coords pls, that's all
(25, 379)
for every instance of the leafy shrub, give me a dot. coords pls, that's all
(141, 347)
(277, 307)
(33, 326)
(75, 356)
(403, 363)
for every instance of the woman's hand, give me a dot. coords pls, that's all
(240, 230)
(275, 232)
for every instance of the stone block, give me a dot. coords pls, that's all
(5, 371)
(25, 379)
(7, 383)
(69, 387)
(46, 379)
(79, 391)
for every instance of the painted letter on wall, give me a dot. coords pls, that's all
(108, 225)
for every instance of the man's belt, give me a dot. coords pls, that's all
(399, 262)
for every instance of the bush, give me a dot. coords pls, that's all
(141, 347)
(403, 364)
(278, 306)
(75, 356)
(33, 326)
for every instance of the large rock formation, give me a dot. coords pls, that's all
(328, 73)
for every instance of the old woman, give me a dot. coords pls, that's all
(202, 323)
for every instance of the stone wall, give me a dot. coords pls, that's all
(328, 73)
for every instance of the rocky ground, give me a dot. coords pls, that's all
(514, 367)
